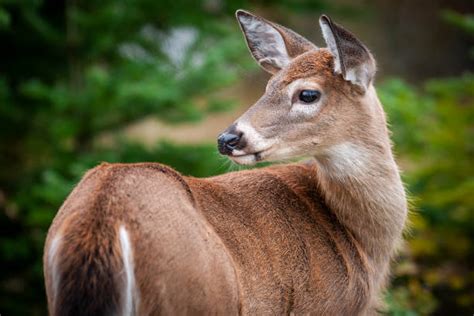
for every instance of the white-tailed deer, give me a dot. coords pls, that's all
(303, 238)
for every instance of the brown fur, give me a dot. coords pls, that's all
(309, 238)
(268, 258)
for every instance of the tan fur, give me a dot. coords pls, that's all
(308, 238)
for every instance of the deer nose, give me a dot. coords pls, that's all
(226, 142)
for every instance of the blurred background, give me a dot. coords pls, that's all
(83, 82)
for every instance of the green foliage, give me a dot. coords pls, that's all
(464, 22)
(432, 134)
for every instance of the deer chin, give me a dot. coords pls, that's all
(248, 160)
(242, 158)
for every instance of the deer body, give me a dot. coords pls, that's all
(308, 238)
(291, 256)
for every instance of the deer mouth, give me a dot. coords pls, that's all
(256, 154)
(249, 158)
(246, 159)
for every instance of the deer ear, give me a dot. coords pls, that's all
(351, 58)
(273, 46)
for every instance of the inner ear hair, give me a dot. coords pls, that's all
(273, 46)
(351, 58)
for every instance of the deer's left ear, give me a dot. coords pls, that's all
(351, 58)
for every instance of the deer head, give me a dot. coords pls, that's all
(317, 98)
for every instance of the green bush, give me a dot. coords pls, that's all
(433, 138)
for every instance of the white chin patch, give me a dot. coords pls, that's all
(238, 152)
(244, 160)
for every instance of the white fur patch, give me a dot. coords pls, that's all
(345, 159)
(53, 269)
(359, 75)
(351, 75)
(129, 295)
(266, 42)
(244, 160)
(238, 152)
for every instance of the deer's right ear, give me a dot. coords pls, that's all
(273, 46)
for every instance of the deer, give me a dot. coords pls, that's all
(306, 237)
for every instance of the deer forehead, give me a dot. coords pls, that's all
(315, 64)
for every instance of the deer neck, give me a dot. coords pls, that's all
(361, 184)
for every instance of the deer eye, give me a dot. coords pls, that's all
(309, 96)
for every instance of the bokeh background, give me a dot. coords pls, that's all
(83, 82)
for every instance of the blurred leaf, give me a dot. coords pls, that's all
(464, 22)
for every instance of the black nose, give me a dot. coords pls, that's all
(226, 142)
